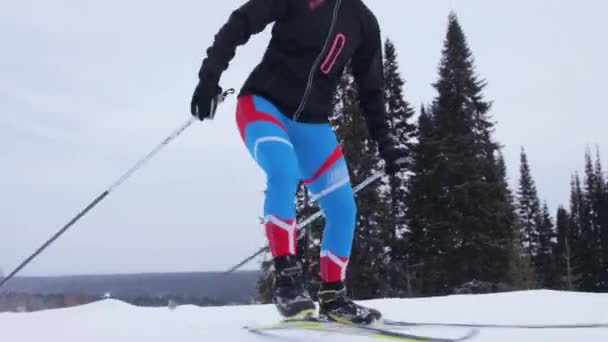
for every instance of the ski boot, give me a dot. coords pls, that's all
(335, 306)
(289, 295)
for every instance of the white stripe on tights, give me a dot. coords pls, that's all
(342, 264)
(268, 139)
(290, 228)
(330, 189)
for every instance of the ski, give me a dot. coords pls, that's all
(497, 326)
(321, 325)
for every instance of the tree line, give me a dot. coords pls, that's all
(450, 223)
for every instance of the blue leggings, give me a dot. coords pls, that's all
(290, 152)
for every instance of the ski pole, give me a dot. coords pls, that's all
(110, 189)
(307, 221)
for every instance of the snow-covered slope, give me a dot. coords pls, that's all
(111, 320)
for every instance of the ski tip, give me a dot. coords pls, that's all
(471, 334)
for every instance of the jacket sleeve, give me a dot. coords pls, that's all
(367, 66)
(246, 21)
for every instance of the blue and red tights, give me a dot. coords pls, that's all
(289, 152)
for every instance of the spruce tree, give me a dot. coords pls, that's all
(459, 204)
(563, 250)
(545, 263)
(521, 273)
(578, 242)
(501, 168)
(589, 241)
(599, 219)
(528, 209)
(576, 210)
(600, 205)
(592, 226)
(399, 112)
(589, 227)
(422, 192)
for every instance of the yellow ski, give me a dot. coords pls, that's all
(314, 324)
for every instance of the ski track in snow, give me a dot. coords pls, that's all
(112, 320)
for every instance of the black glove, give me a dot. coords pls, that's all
(205, 100)
(395, 159)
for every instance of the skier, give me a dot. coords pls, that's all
(282, 115)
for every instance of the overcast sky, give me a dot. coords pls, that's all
(89, 87)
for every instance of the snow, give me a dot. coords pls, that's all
(112, 320)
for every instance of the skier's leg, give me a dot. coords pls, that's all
(326, 175)
(263, 130)
(265, 135)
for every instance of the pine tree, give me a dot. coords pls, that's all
(577, 245)
(501, 167)
(590, 222)
(605, 236)
(545, 263)
(563, 250)
(588, 249)
(521, 273)
(528, 209)
(399, 113)
(576, 209)
(422, 193)
(459, 207)
(599, 219)
(600, 206)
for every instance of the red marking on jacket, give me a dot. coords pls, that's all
(334, 53)
(314, 4)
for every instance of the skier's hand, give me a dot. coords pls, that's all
(205, 100)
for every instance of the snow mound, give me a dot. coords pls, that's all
(113, 320)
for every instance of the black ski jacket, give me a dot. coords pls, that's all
(312, 42)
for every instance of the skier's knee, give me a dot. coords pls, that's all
(340, 207)
(340, 213)
(282, 183)
(286, 183)
(280, 165)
